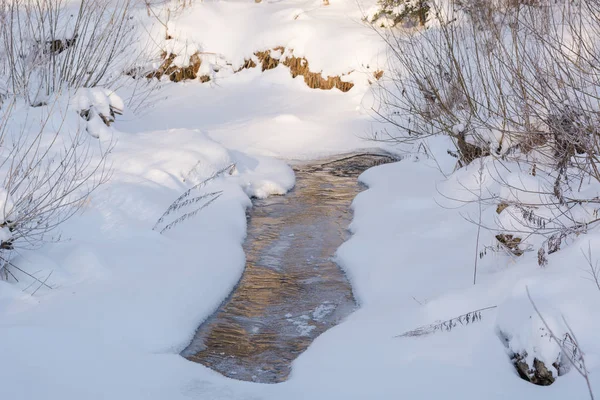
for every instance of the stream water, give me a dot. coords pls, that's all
(291, 290)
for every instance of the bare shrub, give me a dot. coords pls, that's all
(516, 83)
(50, 45)
(47, 172)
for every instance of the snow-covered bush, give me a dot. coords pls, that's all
(98, 107)
(389, 13)
(528, 341)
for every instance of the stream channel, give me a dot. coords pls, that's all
(291, 290)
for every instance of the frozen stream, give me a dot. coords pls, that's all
(291, 290)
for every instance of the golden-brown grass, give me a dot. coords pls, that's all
(175, 73)
(267, 59)
(298, 67)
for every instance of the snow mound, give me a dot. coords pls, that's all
(261, 177)
(98, 107)
(525, 334)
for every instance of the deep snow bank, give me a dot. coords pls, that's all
(223, 35)
(121, 289)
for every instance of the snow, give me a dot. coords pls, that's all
(127, 299)
(304, 26)
(524, 330)
(274, 115)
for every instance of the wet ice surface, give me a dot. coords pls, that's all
(291, 290)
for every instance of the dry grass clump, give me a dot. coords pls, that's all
(377, 75)
(269, 59)
(247, 65)
(501, 207)
(315, 80)
(510, 243)
(176, 73)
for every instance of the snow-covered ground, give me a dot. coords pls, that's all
(128, 299)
